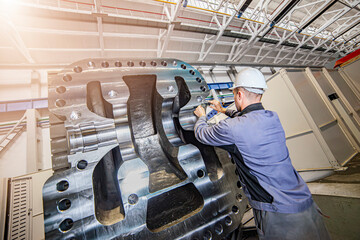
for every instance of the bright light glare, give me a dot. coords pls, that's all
(134, 182)
(8, 5)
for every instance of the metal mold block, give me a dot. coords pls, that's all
(127, 164)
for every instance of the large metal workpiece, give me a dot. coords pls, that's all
(127, 164)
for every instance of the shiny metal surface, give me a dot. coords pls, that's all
(127, 164)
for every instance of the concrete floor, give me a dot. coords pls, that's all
(344, 213)
(350, 176)
(338, 196)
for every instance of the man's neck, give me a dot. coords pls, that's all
(248, 104)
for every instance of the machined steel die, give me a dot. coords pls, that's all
(127, 164)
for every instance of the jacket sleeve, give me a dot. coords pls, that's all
(231, 113)
(215, 135)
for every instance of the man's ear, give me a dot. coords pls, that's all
(239, 94)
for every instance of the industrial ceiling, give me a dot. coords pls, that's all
(45, 33)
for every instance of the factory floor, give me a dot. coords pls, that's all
(338, 196)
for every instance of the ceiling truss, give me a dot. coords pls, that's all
(293, 32)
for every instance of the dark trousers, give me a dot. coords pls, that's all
(306, 225)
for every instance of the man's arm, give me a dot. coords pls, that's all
(216, 105)
(216, 135)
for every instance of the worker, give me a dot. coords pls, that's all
(282, 203)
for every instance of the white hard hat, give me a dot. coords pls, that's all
(251, 79)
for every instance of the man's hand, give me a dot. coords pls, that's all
(200, 111)
(216, 105)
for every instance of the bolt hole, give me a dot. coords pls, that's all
(198, 80)
(228, 221)
(66, 225)
(200, 173)
(219, 229)
(199, 98)
(235, 209)
(142, 63)
(164, 63)
(62, 185)
(238, 184)
(153, 63)
(192, 72)
(202, 88)
(133, 199)
(239, 197)
(174, 63)
(67, 78)
(60, 102)
(207, 235)
(130, 64)
(64, 204)
(105, 64)
(183, 66)
(61, 89)
(82, 164)
(118, 64)
(77, 69)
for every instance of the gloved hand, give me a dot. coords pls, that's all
(216, 105)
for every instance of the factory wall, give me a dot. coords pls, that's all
(16, 85)
(13, 162)
(22, 84)
(14, 159)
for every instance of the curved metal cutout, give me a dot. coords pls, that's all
(208, 153)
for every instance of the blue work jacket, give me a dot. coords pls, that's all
(256, 141)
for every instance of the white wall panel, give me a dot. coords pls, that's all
(323, 114)
(315, 105)
(352, 70)
(16, 85)
(347, 91)
(305, 150)
(279, 99)
(306, 153)
(13, 160)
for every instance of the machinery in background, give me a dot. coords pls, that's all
(127, 164)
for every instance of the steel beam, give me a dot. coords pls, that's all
(341, 13)
(322, 42)
(221, 31)
(173, 16)
(32, 153)
(97, 11)
(302, 26)
(161, 24)
(276, 17)
(250, 64)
